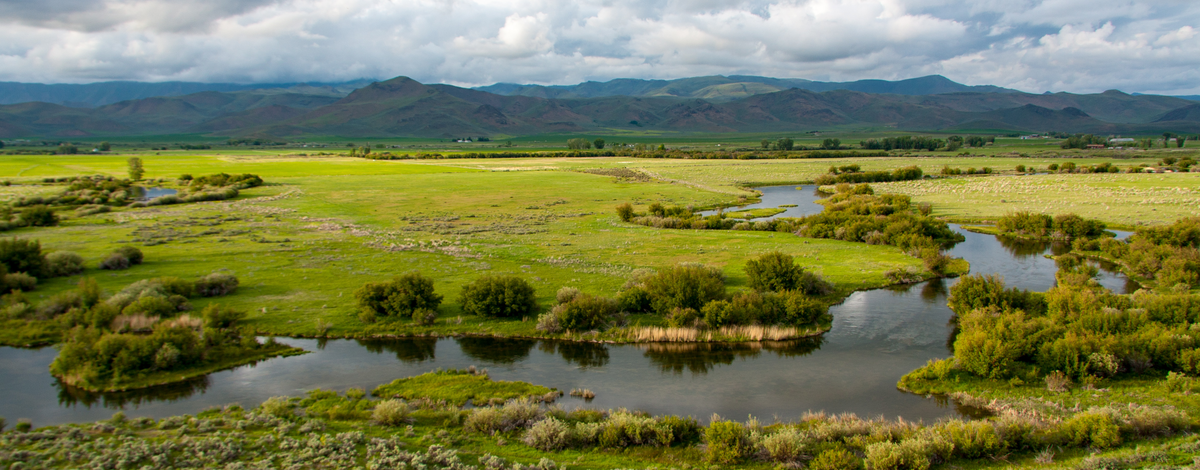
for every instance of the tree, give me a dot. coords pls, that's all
(579, 144)
(135, 168)
(105, 146)
(831, 144)
(1, 144)
(766, 144)
(1179, 140)
(785, 143)
(67, 149)
(599, 143)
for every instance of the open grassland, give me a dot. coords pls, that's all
(1120, 199)
(301, 245)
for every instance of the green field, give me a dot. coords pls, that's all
(322, 226)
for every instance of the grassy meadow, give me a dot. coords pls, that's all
(323, 225)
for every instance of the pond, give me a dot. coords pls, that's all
(146, 194)
(877, 337)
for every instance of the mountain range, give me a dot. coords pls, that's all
(405, 107)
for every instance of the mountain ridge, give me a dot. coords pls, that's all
(404, 107)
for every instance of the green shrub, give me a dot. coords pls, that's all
(20, 281)
(132, 253)
(1177, 383)
(115, 262)
(773, 271)
(23, 425)
(683, 430)
(216, 316)
(150, 306)
(1091, 429)
(786, 445)
(401, 296)
(498, 296)
(625, 212)
(39, 216)
(22, 256)
(684, 286)
(836, 459)
(63, 263)
(585, 312)
(390, 413)
(982, 354)
(973, 440)
(634, 299)
(728, 442)
(216, 284)
(424, 316)
(682, 317)
(566, 294)
(801, 309)
(279, 407)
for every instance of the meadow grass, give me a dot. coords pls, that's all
(458, 387)
(301, 245)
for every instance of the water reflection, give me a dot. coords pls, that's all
(71, 396)
(801, 197)
(702, 358)
(584, 355)
(934, 291)
(407, 350)
(496, 350)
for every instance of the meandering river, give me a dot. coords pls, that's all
(877, 337)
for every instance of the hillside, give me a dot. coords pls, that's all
(720, 88)
(105, 93)
(405, 107)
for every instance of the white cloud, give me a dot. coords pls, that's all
(1034, 45)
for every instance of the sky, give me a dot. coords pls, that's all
(1080, 46)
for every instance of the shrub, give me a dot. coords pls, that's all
(975, 439)
(498, 296)
(63, 263)
(548, 434)
(585, 312)
(21, 255)
(217, 317)
(682, 317)
(566, 294)
(634, 299)
(836, 459)
(549, 322)
(1177, 382)
(150, 306)
(39, 216)
(390, 413)
(1057, 381)
(132, 253)
(684, 286)
(801, 309)
(23, 425)
(1091, 429)
(773, 271)
(905, 455)
(279, 407)
(787, 445)
(216, 284)
(625, 212)
(935, 261)
(424, 316)
(115, 262)
(402, 296)
(728, 441)
(20, 281)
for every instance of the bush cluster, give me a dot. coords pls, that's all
(1061, 227)
(498, 296)
(403, 296)
(1079, 329)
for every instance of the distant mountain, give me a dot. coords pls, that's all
(718, 88)
(405, 107)
(103, 93)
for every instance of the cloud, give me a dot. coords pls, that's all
(1033, 45)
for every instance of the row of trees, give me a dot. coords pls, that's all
(584, 144)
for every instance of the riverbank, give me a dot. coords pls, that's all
(154, 379)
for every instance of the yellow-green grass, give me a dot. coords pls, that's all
(301, 245)
(458, 387)
(1123, 200)
(755, 213)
